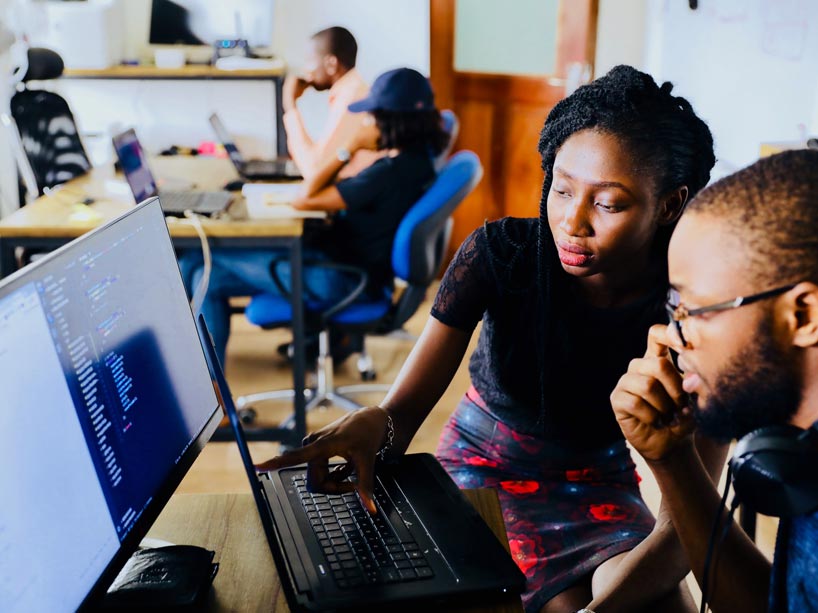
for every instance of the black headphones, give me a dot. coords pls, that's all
(775, 470)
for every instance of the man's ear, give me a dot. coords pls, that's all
(330, 64)
(672, 205)
(802, 314)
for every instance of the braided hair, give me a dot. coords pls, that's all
(670, 141)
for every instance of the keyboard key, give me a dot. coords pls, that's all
(407, 574)
(424, 572)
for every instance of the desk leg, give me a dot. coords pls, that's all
(281, 136)
(8, 262)
(299, 402)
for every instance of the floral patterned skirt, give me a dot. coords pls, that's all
(565, 513)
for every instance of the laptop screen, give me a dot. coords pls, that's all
(135, 165)
(227, 141)
(106, 400)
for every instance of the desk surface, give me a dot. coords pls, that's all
(247, 579)
(61, 215)
(189, 71)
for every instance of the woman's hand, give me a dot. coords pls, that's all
(357, 437)
(649, 402)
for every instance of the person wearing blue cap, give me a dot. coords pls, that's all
(367, 208)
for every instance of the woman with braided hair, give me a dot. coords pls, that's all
(565, 301)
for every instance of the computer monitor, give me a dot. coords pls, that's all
(202, 22)
(107, 399)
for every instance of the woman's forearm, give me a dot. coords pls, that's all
(424, 378)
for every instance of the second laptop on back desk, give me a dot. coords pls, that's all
(281, 169)
(134, 164)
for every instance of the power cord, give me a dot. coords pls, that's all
(201, 288)
(717, 539)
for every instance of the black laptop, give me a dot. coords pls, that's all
(254, 170)
(427, 542)
(143, 185)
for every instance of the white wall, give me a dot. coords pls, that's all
(390, 33)
(748, 67)
(620, 35)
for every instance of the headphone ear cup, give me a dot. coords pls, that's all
(775, 471)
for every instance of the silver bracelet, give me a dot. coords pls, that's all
(390, 437)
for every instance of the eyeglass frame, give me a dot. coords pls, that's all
(677, 316)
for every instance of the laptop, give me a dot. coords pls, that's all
(107, 400)
(254, 170)
(427, 543)
(143, 185)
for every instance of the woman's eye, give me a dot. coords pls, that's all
(610, 208)
(560, 192)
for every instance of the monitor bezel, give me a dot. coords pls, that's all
(146, 520)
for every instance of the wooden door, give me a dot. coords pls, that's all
(502, 101)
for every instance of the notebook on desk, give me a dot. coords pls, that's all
(143, 185)
(426, 544)
(254, 170)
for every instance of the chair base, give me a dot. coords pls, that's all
(324, 394)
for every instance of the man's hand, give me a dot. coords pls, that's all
(294, 87)
(366, 136)
(649, 402)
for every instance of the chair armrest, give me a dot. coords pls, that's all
(342, 303)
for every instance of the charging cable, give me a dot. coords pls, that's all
(201, 288)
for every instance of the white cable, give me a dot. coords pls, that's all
(201, 289)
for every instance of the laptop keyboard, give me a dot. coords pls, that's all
(197, 201)
(359, 548)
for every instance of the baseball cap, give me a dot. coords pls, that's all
(402, 89)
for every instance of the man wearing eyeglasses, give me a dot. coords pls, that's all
(740, 354)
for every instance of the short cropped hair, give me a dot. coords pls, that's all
(341, 43)
(772, 205)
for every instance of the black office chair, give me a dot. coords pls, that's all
(48, 132)
(417, 253)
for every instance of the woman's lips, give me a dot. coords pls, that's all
(573, 255)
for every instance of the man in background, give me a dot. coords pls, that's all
(330, 66)
(729, 366)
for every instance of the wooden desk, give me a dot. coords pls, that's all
(52, 221)
(197, 71)
(247, 581)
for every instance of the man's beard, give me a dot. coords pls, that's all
(760, 389)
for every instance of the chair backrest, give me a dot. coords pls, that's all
(49, 137)
(452, 127)
(423, 234)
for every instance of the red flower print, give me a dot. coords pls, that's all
(478, 461)
(524, 550)
(583, 474)
(608, 512)
(528, 443)
(520, 488)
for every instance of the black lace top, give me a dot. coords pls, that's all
(493, 277)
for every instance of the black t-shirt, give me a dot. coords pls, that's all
(493, 278)
(376, 201)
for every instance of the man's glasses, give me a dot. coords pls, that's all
(679, 312)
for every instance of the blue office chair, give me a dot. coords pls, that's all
(452, 127)
(417, 254)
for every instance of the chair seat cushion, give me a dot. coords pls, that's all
(268, 311)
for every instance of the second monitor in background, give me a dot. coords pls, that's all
(253, 170)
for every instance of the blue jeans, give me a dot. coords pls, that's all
(247, 273)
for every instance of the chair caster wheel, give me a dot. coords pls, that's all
(248, 416)
(368, 375)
